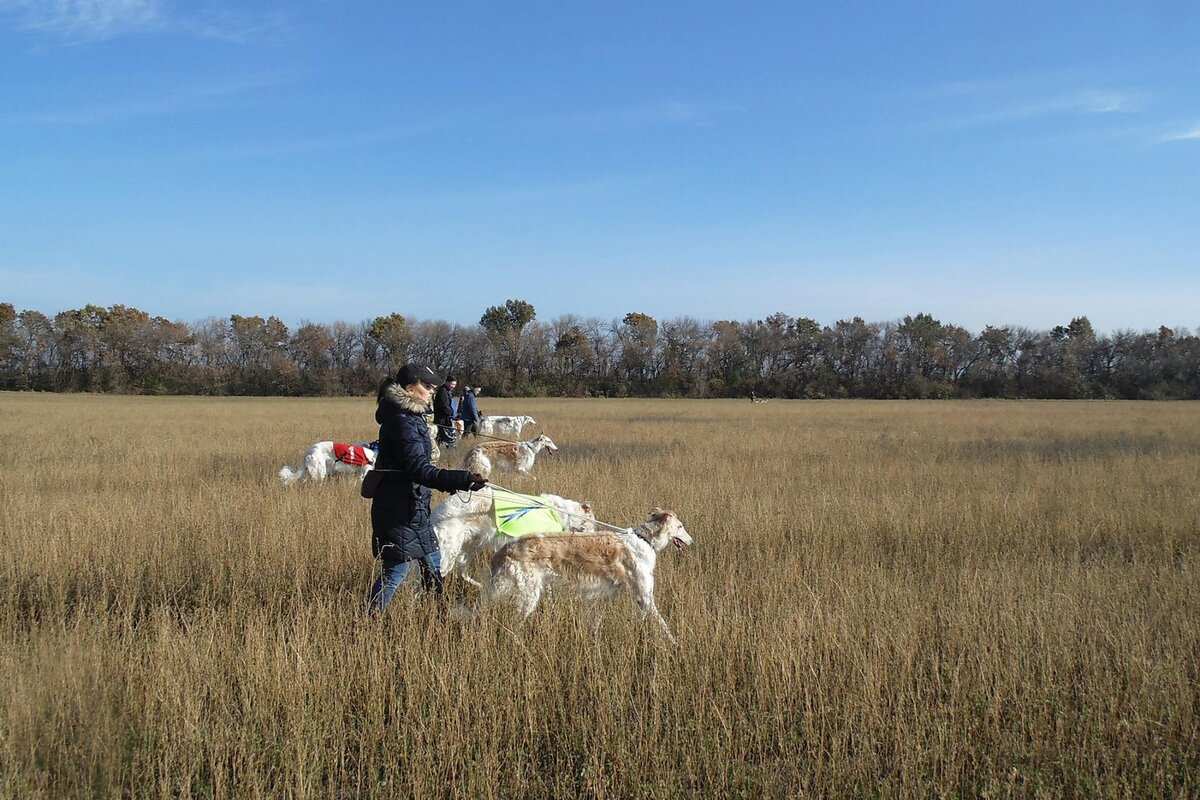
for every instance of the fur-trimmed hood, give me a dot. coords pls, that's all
(395, 395)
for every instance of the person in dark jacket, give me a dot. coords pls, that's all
(443, 412)
(400, 528)
(468, 411)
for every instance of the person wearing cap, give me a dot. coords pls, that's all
(443, 412)
(401, 530)
(468, 411)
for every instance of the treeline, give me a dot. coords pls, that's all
(511, 352)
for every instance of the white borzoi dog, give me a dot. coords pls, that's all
(465, 526)
(325, 459)
(593, 565)
(504, 426)
(507, 456)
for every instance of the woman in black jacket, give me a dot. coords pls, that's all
(400, 526)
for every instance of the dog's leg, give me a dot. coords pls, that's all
(500, 583)
(644, 597)
(452, 541)
(469, 556)
(314, 467)
(666, 628)
(529, 593)
(449, 535)
(494, 585)
(463, 568)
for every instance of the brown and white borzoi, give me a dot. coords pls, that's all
(325, 459)
(593, 565)
(465, 526)
(519, 456)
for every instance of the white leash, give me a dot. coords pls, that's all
(480, 435)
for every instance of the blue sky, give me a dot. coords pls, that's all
(989, 163)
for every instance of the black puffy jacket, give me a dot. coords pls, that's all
(443, 406)
(400, 526)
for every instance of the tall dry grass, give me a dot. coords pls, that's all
(885, 599)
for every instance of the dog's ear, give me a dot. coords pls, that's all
(586, 505)
(657, 513)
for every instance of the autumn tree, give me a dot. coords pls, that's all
(9, 341)
(638, 334)
(390, 336)
(503, 326)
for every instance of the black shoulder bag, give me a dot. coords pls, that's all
(370, 483)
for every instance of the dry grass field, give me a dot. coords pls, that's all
(885, 599)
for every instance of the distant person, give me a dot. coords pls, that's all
(400, 528)
(468, 411)
(443, 412)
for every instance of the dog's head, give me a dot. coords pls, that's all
(547, 443)
(665, 528)
(588, 517)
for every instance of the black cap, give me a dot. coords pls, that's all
(412, 373)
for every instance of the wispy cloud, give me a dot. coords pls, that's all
(971, 104)
(618, 119)
(630, 118)
(237, 27)
(1016, 84)
(292, 147)
(1082, 102)
(1192, 134)
(536, 192)
(184, 100)
(80, 21)
(670, 112)
(84, 19)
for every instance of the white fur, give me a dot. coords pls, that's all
(593, 565)
(435, 452)
(318, 464)
(465, 526)
(504, 426)
(507, 456)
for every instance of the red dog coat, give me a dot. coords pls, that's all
(353, 454)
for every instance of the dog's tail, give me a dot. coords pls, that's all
(476, 461)
(289, 475)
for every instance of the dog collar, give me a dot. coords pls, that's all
(638, 533)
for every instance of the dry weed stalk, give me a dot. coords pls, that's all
(885, 599)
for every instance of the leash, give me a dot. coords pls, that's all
(480, 435)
